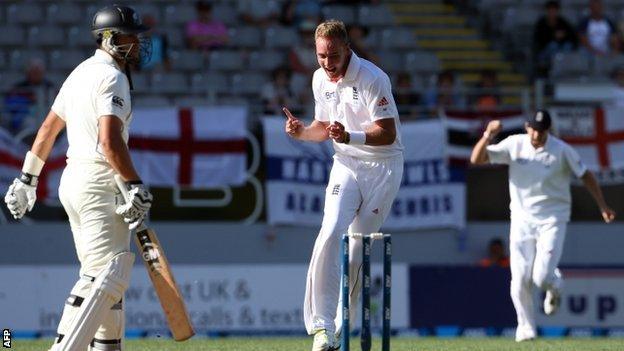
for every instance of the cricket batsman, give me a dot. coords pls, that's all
(94, 105)
(541, 167)
(354, 107)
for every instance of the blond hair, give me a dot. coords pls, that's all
(332, 29)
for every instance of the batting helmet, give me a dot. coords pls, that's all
(115, 19)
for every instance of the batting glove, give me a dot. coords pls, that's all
(21, 195)
(139, 202)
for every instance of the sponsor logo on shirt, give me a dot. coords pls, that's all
(356, 95)
(117, 101)
(330, 95)
(383, 102)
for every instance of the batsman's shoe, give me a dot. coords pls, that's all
(552, 302)
(323, 341)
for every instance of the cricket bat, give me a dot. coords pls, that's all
(160, 273)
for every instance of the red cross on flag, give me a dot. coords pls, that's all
(596, 133)
(199, 147)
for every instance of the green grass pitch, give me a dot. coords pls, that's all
(398, 344)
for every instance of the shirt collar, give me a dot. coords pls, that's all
(106, 57)
(353, 68)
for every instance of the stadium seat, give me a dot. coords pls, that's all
(604, 65)
(391, 61)
(226, 60)
(57, 77)
(340, 12)
(187, 60)
(248, 83)
(148, 9)
(569, 65)
(176, 37)
(280, 37)
(216, 83)
(422, 62)
(211, 82)
(47, 36)
(169, 83)
(225, 13)
(266, 60)
(25, 13)
(67, 60)
(245, 37)
(150, 101)
(11, 36)
(191, 101)
(398, 38)
(179, 13)
(140, 82)
(375, 15)
(9, 78)
(19, 59)
(64, 13)
(80, 36)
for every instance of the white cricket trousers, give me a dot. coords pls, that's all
(358, 198)
(534, 253)
(89, 195)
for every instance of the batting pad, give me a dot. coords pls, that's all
(108, 288)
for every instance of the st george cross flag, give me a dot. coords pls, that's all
(12, 152)
(596, 133)
(198, 148)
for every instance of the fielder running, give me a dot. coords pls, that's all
(94, 104)
(540, 169)
(355, 108)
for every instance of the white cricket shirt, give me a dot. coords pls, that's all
(97, 87)
(361, 97)
(539, 179)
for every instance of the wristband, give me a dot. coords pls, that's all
(29, 179)
(32, 164)
(357, 138)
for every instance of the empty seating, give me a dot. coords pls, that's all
(266, 60)
(212, 82)
(169, 83)
(340, 12)
(67, 59)
(64, 13)
(226, 60)
(11, 35)
(248, 83)
(375, 15)
(187, 60)
(280, 37)
(245, 37)
(179, 13)
(568, 65)
(422, 62)
(24, 13)
(47, 36)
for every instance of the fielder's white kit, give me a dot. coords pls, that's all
(539, 187)
(97, 87)
(363, 183)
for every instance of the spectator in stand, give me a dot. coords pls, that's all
(259, 13)
(205, 33)
(405, 97)
(488, 94)
(277, 93)
(28, 98)
(598, 33)
(497, 257)
(159, 60)
(357, 38)
(444, 94)
(552, 34)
